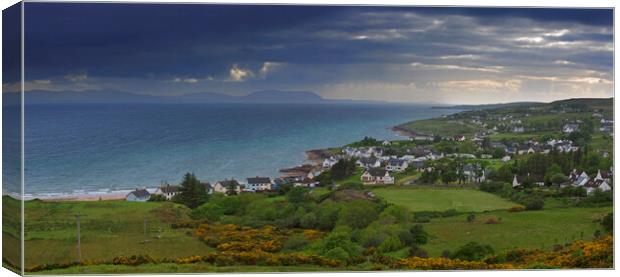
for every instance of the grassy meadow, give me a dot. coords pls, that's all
(440, 199)
(108, 229)
(529, 229)
(117, 228)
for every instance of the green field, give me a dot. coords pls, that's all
(442, 127)
(108, 229)
(436, 199)
(528, 229)
(176, 268)
(116, 228)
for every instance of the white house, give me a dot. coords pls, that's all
(578, 179)
(223, 186)
(597, 184)
(506, 159)
(396, 165)
(258, 183)
(604, 175)
(515, 182)
(376, 176)
(570, 128)
(167, 191)
(138, 195)
(329, 162)
(305, 182)
(421, 137)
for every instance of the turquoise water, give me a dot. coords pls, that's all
(97, 147)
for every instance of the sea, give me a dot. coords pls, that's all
(102, 148)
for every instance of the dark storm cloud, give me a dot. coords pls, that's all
(235, 48)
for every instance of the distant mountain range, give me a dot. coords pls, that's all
(264, 96)
(487, 106)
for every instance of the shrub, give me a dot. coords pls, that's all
(342, 239)
(209, 211)
(308, 221)
(337, 254)
(534, 203)
(416, 251)
(472, 251)
(608, 222)
(396, 214)
(157, 198)
(296, 242)
(491, 220)
(357, 214)
(471, 218)
(418, 235)
(450, 212)
(516, 209)
(390, 244)
(421, 219)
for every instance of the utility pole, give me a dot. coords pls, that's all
(146, 238)
(79, 246)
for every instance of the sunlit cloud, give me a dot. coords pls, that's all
(483, 85)
(268, 67)
(238, 74)
(76, 77)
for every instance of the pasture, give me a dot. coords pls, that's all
(528, 229)
(108, 229)
(441, 199)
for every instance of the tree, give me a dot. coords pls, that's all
(429, 177)
(416, 251)
(343, 169)
(449, 176)
(232, 188)
(390, 244)
(357, 214)
(558, 178)
(297, 195)
(191, 193)
(418, 235)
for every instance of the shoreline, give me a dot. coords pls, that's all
(314, 160)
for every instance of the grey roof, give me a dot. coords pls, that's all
(594, 183)
(140, 193)
(396, 162)
(169, 188)
(417, 164)
(377, 171)
(259, 180)
(227, 183)
(369, 160)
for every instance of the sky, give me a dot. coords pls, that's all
(395, 54)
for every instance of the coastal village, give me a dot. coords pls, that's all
(475, 156)
(469, 188)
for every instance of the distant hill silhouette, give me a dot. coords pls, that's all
(265, 96)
